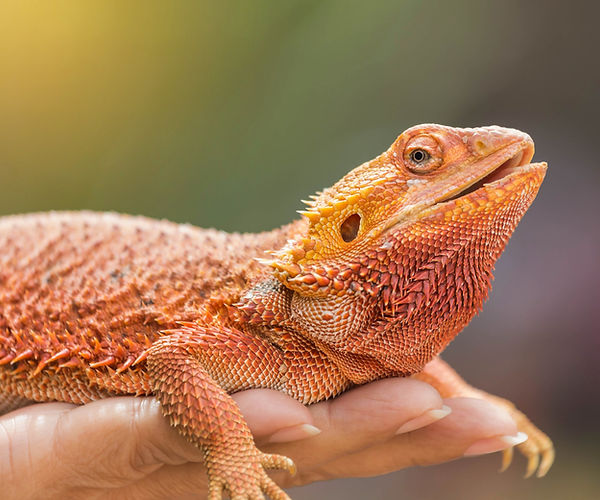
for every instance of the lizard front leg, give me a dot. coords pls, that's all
(538, 449)
(191, 371)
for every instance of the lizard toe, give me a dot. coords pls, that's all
(272, 490)
(215, 489)
(530, 450)
(539, 452)
(271, 461)
(248, 480)
(546, 461)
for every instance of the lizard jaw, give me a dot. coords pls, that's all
(494, 172)
(511, 160)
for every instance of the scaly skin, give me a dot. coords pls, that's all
(379, 275)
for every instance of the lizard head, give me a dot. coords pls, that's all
(397, 256)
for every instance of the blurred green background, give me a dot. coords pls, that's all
(225, 114)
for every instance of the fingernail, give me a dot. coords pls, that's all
(426, 418)
(294, 433)
(493, 444)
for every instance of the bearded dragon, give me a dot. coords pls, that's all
(376, 278)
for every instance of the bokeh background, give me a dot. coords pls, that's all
(225, 114)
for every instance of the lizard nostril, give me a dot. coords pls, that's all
(349, 228)
(480, 147)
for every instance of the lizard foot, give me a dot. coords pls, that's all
(246, 478)
(202, 411)
(538, 449)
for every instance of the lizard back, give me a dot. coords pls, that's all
(86, 290)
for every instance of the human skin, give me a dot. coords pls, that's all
(123, 447)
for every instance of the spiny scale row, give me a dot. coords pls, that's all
(316, 213)
(35, 352)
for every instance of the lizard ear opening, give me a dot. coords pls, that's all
(349, 228)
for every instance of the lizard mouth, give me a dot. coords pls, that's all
(496, 168)
(484, 176)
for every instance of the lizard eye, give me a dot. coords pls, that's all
(419, 155)
(422, 154)
(349, 228)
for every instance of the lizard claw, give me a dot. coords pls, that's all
(532, 464)
(546, 462)
(538, 450)
(507, 457)
(539, 454)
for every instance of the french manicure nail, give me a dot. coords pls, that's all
(424, 419)
(294, 433)
(493, 444)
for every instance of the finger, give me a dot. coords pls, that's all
(112, 444)
(475, 424)
(377, 409)
(471, 421)
(274, 416)
(267, 413)
(363, 416)
(118, 441)
(131, 423)
(25, 441)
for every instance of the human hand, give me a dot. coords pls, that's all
(124, 448)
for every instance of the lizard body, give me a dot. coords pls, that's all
(378, 276)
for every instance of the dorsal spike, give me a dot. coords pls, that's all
(26, 354)
(72, 363)
(125, 365)
(140, 358)
(6, 359)
(59, 355)
(41, 365)
(103, 362)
